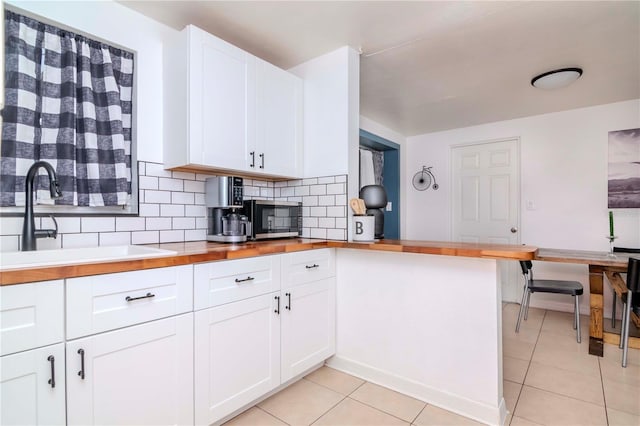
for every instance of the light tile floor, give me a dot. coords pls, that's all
(549, 379)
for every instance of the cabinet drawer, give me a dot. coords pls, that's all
(106, 302)
(217, 283)
(307, 266)
(31, 315)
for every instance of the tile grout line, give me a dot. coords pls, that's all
(604, 395)
(265, 411)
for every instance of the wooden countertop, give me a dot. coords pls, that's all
(598, 258)
(202, 251)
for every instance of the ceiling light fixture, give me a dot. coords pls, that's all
(557, 78)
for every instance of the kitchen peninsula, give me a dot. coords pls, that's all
(405, 311)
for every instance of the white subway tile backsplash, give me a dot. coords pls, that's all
(310, 222)
(311, 201)
(162, 197)
(115, 238)
(145, 237)
(169, 184)
(147, 182)
(184, 175)
(287, 192)
(9, 242)
(171, 236)
(327, 222)
(182, 198)
(184, 223)
(158, 223)
(79, 240)
(318, 212)
(337, 234)
(326, 179)
(193, 186)
(51, 243)
(146, 210)
(336, 188)
(155, 169)
(11, 225)
(318, 233)
(336, 211)
(195, 211)
(171, 210)
(300, 191)
(97, 224)
(195, 235)
(326, 200)
(129, 223)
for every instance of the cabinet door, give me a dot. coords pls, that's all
(237, 355)
(221, 101)
(31, 315)
(140, 375)
(308, 326)
(279, 121)
(28, 394)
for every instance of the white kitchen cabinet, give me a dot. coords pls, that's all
(237, 355)
(31, 315)
(278, 142)
(209, 102)
(105, 302)
(308, 332)
(32, 387)
(140, 375)
(227, 111)
(308, 325)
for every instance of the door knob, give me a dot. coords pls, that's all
(514, 230)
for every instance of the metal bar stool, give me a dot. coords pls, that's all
(613, 307)
(633, 290)
(573, 288)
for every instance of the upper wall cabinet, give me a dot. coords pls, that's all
(226, 110)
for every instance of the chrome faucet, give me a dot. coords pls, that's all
(29, 231)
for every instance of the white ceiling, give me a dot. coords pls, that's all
(434, 65)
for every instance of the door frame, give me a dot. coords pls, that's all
(513, 272)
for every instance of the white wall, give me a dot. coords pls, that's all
(117, 24)
(331, 115)
(563, 172)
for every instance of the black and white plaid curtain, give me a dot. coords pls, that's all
(68, 102)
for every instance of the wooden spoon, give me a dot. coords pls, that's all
(355, 205)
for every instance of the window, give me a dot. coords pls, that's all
(68, 101)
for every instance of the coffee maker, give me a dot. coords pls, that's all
(225, 221)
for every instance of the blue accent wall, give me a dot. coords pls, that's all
(391, 173)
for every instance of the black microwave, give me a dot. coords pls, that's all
(273, 219)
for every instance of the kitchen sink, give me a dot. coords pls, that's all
(41, 258)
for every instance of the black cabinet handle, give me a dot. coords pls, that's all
(244, 280)
(277, 311)
(253, 159)
(52, 380)
(312, 266)
(261, 160)
(81, 372)
(146, 296)
(288, 307)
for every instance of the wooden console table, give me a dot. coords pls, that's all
(600, 263)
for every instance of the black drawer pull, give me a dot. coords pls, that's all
(288, 307)
(244, 280)
(81, 372)
(253, 159)
(52, 380)
(146, 296)
(277, 311)
(312, 266)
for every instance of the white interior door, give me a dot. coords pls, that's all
(486, 199)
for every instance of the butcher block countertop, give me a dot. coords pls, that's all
(202, 251)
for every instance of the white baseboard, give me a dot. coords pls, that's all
(454, 403)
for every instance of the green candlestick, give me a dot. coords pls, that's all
(611, 224)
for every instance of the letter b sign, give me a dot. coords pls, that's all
(359, 230)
